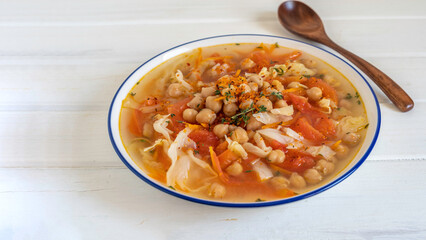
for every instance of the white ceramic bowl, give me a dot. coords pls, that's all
(362, 86)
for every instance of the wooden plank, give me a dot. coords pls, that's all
(80, 139)
(47, 12)
(380, 199)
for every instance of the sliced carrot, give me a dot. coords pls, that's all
(227, 157)
(216, 166)
(303, 127)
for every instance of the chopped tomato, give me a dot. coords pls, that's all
(221, 147)
(327, 90)
(261, 59)
(274, 144)
(284, 58)
(303, 127)
(204, 139)
(325, 125)
(136, 122)
(300, 103)
(176, 111)
(297, 161)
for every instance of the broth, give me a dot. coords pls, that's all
(243, 122)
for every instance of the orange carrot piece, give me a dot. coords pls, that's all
(216, 166)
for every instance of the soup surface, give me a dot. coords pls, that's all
(243, 122)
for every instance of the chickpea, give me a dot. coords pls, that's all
(221, 130)
(175, 90)
(341, 151)
(246, 104)
(217, 190)
(245, 88)
(266, 85)
(280, 103)
(265, 102)
(196, 103)
(206, 116)
(240, 135)
(189, 115)
(351, 139)
(279, 182)
(250, 134)
(276, 156)
(253, 124)
(232, 127)
(297, 181)
(213, 104)
(312, 176)
(315, 93)
(148, 130)
(256, 79)
(208, 91)
(230, 109)
(294, 85)
(278, 85)
(254, 87)
(324, 167)
(234, 169)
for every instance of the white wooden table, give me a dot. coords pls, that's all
(62, 61)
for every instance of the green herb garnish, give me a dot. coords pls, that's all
(217, 92)
(237, 44)
(172, 115)
(366, 126)
(348, 96)
(171, 187)
(279, 71)
(276, 45)
(279, 95)
(133, 94)
(196, 151)
(262, 109)
(248, 171)
(259, 200)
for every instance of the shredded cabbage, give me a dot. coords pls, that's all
(249, 147)
(298, 69)
(158, 142)
(277, 70)
(325, 103)
(262, 170)
(236, 148)
(352, 124)
(295, 145)
(260, 142)
(161, 126)
(179, 77)
(275, 134)
(266, 118)
(286, 111)
(264, 73)
(291, 133)
(323, 150)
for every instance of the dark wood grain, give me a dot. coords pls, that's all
(301, 20)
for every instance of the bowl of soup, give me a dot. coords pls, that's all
(244, 120)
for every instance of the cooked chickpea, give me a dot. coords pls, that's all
(278, 85)
(148, 130)
(217, 190)
(208, 91)
(196, 103)
(266, 85)
(189, 115)
(265, 102)
(221, 130)
(206, 116)
(276, 156)
(253, 124)
(230, 109)
(250, 134)
(232, 128)
(280, 103)
(245, 88)
(312, 176)
(246, 103)
(324, 167)
(213, 104)
(294, 85)
(175, 90)
(256, 79)
(351, 139)
(234, 169)
(279, 182)
(341, 151)
(240, 135)
(254, 87)
(315, 93)
(297, 181)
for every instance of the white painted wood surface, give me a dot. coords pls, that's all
(61, 62)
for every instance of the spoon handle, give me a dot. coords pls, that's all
(394, 92)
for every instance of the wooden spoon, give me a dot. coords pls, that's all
(301, 20)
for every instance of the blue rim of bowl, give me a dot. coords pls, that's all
(254, 204)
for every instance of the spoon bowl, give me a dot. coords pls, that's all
(300, 19)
